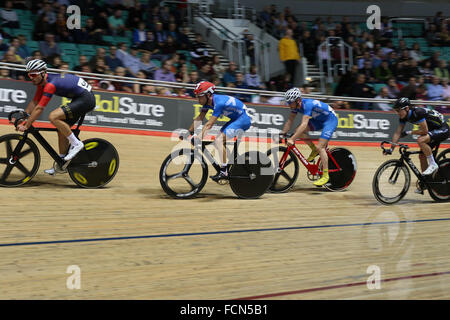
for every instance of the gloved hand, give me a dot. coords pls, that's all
(387, 151)
(405, 133)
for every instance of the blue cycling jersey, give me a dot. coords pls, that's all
(317, 110)
(226, 105)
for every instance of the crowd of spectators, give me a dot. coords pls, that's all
(403, 71)
(159, 34)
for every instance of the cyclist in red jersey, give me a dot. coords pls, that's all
(69, 86)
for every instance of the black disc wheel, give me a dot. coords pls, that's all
(341, 168)
(445, 154)
(183, 174)
(19, 160)
(391, 182)
(252, 175)
(440, 182)
(286, 177)
(96, 165)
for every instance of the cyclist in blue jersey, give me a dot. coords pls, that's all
(317, 116)
(225, 105)
(63, 118)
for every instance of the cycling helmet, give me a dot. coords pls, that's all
(292, 95)
(401, 103)
(36, 65)
(204, 87)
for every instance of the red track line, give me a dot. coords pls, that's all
(271, 295)
(169, 134)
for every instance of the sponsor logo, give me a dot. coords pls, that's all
(359, 121)
(11, 95)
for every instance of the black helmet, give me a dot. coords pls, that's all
(401, 103)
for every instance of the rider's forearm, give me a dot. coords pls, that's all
(35, 114)
(299, 131)
(30, 106)
(198, 119)
(287, 126)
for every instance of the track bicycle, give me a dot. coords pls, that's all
(341, 167)
(93, 167)
(392, 179)
(184, 172)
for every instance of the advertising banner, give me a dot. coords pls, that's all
(156, 113)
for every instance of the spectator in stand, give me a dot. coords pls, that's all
(230, 74)
(435, 90)
(346, 82)
(444, 37)
(368, 72)
(5, 74)
(240, 84)
(426, 71)
(49, 47)
(182, 74)
(145, 63)
(160, 33)
(421, 92)
(164, 74)
(3, 46)
(362, 90)
(416, 53)
(218, 68)
(41, 28)
(383, 94)
(173, 32)
(402, 47)
(365, 58)
(121, 86)
(393, 89)
(434, 59)
(432, 36)
(445, 89)
(62, 33)
(409, 91)
(129, 60)
(48, 11)
(137, 87)
(441, 71)
(388, 49)
(9, 16)
(383, 73)
(309, 47)
(111, 60)
(101, 67)
(116, 24)
(135, 15)
(37, 55)
(101, 54)
(82, 60)
(183, 40)
(199, 52)
(386, 28)
(23, 51)
(101, 20)
(204, 74)
(289, 54)
(253, 80)
(139, 34)
(169, 48)
(150, 45)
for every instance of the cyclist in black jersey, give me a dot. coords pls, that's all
(432, 131)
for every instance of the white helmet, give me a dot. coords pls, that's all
(292, 95)
(36, 65)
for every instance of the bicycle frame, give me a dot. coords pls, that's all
(313, 168)
(405, 158)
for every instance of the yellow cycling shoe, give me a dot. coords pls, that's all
(313, 155)
(322, 181)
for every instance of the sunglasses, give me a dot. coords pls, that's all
(33, 75)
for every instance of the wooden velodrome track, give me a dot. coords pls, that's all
(131, 241)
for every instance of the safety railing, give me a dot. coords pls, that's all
(408, 20)
(328, 44)
(168, 84)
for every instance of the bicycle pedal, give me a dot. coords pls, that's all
(223, 182)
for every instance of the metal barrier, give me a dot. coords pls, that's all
(168, 84)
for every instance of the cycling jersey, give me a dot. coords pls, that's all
(67, 85)
(226, 105)
(317, 110)
(434, 119)
(322, 117)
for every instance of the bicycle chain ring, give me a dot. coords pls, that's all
(57, 168)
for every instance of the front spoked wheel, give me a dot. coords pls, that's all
(183, 174)
(284, 178)
(19, 160)
(391, 182)
(252, 175)
(96, 165)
